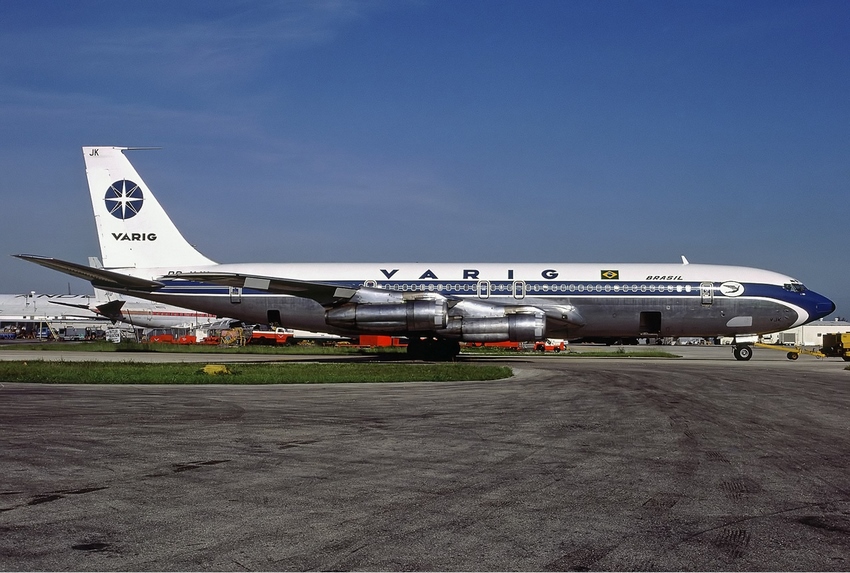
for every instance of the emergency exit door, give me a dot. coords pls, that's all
(706, 293)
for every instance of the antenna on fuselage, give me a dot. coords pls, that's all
(684, 260)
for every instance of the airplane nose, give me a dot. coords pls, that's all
(823, 307)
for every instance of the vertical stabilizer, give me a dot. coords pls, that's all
(132, 227)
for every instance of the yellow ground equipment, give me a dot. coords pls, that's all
(835, 345)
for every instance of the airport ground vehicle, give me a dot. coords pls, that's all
(72, 333)
(550, 345)
(381, 341)
(505, 345)
(835, 345)
(272, 337)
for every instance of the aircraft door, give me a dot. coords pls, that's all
(706, 293)
(235, 295)
(483, 289)
(650, 323)
(519, 289)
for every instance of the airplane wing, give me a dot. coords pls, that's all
(98, 277)
(324, 294)
(562, 316)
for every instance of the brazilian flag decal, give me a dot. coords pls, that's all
(610, 275)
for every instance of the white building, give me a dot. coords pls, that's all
(807, 335)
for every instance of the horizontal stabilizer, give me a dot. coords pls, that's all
(111, 310)
(98, 277)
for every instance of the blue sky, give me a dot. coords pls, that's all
(564, 131)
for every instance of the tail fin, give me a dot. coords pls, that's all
(132, 227)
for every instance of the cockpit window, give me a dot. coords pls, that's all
(794, 286)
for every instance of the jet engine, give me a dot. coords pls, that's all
(407, 316)
(514, 327)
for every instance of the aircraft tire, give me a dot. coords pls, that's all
(744, 352)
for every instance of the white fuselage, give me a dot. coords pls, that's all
(686, 299)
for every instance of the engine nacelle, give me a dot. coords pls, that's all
(513, 327)
(408, 316)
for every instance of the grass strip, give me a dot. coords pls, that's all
(49, 372)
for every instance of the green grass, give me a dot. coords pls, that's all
(49, 372)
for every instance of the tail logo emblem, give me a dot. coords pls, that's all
(124, 199)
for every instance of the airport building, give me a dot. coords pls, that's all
(809, 334)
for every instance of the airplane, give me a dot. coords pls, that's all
(97, 308)
(35, 307)
(436, 305)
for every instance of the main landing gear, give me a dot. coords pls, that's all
(432, 348)
(742, 352)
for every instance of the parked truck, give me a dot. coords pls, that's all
(274, 336)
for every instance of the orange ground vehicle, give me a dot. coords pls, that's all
(550, 345)
(381, 341)
(506, 345)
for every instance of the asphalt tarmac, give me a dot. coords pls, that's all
(700, 463)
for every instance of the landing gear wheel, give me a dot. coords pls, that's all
(743, 352)
(793, 356)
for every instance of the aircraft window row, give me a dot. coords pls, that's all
(563, 287)
(610, 288)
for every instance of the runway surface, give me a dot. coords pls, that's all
(701, 463)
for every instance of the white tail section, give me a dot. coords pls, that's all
(132, 227)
